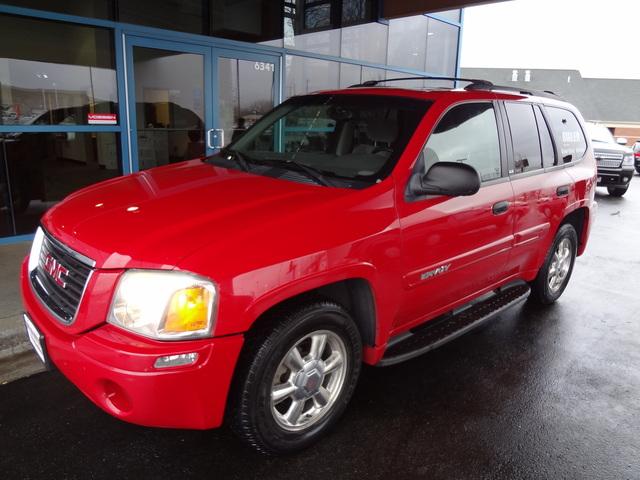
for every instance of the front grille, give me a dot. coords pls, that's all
(60, 279)
(608, 159)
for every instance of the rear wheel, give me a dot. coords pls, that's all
(554, 274)
(296, 378)
(617, 191)
(638, 170)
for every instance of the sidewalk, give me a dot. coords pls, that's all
(16, 357)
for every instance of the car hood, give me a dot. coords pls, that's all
(155, 218)
(610, 147)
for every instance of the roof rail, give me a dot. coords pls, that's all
(523, 91)
(479, 84)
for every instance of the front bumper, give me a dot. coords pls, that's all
(615, 178)
(115, 370)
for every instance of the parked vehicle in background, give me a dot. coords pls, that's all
(366, 225)
(636, 155)
(615, 162)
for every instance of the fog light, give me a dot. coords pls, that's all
(625, 179)
(176, 360)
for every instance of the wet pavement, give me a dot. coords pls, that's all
(536, 393)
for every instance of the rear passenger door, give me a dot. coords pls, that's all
(453, 248)
(541, 185)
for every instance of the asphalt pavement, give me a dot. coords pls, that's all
(536, 393)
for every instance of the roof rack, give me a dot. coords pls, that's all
(474, 84)
(523, 91)
(479, 84)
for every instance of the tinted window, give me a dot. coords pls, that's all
(524, 135)
(548, 154)
(54, 73)
(568, 134)
(467, 133)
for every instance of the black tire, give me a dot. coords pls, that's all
(251, 415)
(638, 170)
(617, 191)
(541, 291)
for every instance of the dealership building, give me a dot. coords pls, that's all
(94, 89)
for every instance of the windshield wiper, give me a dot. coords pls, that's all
(314, 174)
(239, 158)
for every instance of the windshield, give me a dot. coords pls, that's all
(600, 133)
(343, 140)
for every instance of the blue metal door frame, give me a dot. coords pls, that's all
(210, 54)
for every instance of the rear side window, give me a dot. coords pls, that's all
(569, 136)
(548, 154)
(468, 133)
(524, 135)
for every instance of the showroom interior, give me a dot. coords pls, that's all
(91, 90)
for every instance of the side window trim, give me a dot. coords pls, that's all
(511, 160)
(556, 158)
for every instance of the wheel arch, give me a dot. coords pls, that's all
(579, 219)
(355, 294)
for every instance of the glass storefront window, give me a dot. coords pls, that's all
(306, 75)
(451, 15)
(169, 92)
(357, 11)
(231, 20)
(186, 15)
(84, 8)
(442, 48)
(349, 75)
(367, 42)
(53, 73)
(40, 169)
(246, 94)
(369, 73)
(408, 42)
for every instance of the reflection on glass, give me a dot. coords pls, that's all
(306, 75)
(366, 42)
(349, 75)
(452, 15)
(55, 86)
(246, 94)
(43, 168)
(442, 48)
(186, 16)
(169, 91)
(83, 8)
(408, 42)
(369, 73)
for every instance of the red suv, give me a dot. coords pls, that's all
(365, 225)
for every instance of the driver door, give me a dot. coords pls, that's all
(454, 249)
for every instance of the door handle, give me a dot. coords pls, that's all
(563, 191)
(218, 133)
(500, 207)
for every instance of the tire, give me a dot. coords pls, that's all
(544, 289)
(268, 359)
(617, 191)
(638, 170)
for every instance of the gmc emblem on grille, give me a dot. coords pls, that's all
(56, 270)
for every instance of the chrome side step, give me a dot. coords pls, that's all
(437, 332)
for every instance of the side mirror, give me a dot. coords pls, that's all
(452, 179)
(621, 141)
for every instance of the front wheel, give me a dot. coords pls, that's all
(296, 378)
(617, 191)
(556, 270)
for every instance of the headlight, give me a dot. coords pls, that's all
(36, 246)
(164, 305)
(628, 160)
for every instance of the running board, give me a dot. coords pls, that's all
(437, 332)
